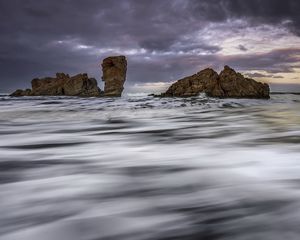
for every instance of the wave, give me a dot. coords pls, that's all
(139, 167)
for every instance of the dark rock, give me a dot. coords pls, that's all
(79, 85)
(229, 84)
(203, 81)
(21, 93)
(235, 85)
(114, 75)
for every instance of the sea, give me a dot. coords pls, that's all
(145, 168)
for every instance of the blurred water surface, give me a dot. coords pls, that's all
(140, 167)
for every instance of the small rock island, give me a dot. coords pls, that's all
(227, 84)
(114, 75)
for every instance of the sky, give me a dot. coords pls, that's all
(163, 40)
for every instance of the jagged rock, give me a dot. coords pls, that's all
(203, 81)
(114, 75)
(79, 85)
(229, 84)
(235, 85)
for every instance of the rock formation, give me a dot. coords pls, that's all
(79, 85)
(228, 84)
(114, 75)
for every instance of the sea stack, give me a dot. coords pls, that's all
(114, 75)
(227, 84)
(62, 85)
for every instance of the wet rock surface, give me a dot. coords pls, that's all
(227, 84)
(114, 75)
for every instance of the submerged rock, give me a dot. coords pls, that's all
(79, 85)
(21, 93)
(114, 75)
(229, 84)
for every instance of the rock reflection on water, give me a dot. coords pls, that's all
(146, 168)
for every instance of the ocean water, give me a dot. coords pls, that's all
(145, 168)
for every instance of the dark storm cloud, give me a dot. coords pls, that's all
(257, 11)
(260, 75)
(40, 38)
(277, 61)
(242, 48)
(267, 11)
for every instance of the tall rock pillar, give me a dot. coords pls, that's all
(114, 75)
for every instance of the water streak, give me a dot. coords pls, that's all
(140, 167)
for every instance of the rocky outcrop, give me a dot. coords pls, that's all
(235, 85)
(227, 84)
(203, 81)
(79, 85)
(114, 75)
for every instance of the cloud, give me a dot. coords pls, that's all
(261, 75)
(242, 48)
(150, 87)
(276, 61)
(164, 40)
